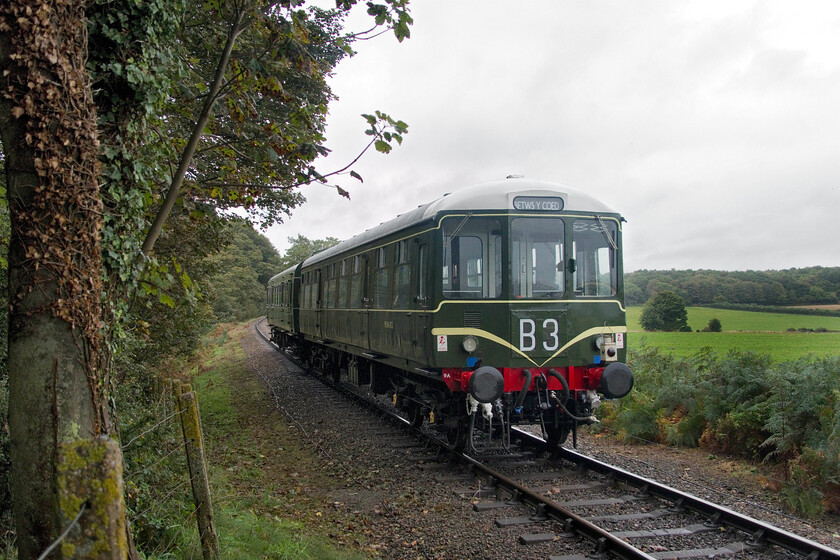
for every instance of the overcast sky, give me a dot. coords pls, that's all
(713, 127)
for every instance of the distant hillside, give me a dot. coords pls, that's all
(796, 286)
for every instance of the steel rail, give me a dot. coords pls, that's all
(760, 531)
(603, 541)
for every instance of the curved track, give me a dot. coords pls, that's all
(620, 514)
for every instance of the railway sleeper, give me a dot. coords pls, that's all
(462, 420)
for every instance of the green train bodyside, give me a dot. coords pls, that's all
(392, 296)
(283, 305)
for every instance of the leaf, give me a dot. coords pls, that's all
(166, 299)
(342, 192)
(379, 12)
(402, 31)
(356, 176)
(382, 146)
(317, 176)
(17, 112)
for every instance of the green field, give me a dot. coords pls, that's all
(746, 331)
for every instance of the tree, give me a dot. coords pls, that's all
(302, 248)
(5, 463)
(714, 325)
(49, 125)
(664, 312)
(243, 268)
(256, 122)
(57, 382)
(773, 287)
(633, 294)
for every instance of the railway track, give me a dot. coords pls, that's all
(575, 507)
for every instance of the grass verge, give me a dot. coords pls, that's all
(271, 496)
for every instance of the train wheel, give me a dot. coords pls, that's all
(456, 436)
(557, 435)
(557, 429)
(336, 373)
(414, 412)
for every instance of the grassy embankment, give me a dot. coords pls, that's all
(745, 331)
(269, 493)
(774, 400)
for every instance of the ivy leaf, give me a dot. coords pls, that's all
(166, 299)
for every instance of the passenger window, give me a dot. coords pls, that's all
(462, 269)
(595, 249)
(472, 265)
(536, 258)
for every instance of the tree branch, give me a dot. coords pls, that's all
(236, 29)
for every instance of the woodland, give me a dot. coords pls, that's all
(137, 137)
(770, 288)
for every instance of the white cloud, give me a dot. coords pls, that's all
(711, 125)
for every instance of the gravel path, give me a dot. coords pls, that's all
(397, 510)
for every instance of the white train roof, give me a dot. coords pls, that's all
(499, 195)
(494, 195)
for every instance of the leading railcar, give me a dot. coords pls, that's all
(497, 305)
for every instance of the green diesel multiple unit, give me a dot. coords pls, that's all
(496, 305)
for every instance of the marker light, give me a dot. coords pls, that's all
(469, 344)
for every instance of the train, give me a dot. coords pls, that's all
(497, 305)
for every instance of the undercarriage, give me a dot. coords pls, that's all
(462, 421)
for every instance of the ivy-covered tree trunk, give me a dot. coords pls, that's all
(48, 128)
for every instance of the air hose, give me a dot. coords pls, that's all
(561, 403)
(520, 398)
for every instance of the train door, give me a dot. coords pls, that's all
(420, 317)
(357, 304)
(317, 302)
(293, 300)
(367, 301)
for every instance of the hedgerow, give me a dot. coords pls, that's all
(785, 414)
